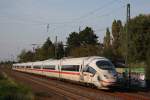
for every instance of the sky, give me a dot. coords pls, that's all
(24, 22)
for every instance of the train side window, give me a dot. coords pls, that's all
(91, 70)
(28, 66)
(70, 67)
(37, 67)
(51, 67)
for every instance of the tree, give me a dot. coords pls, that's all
(60, 50)
(73, 40)
(38, 54)
(107, 50)
(107, 39)
(139, 38)
(42, 53)
(48, 49)
(47, 43)
(86, 50)
(87, 36)
(26, 56)
(139, 41)
(117, 32)
(82, 40)
(21, 56)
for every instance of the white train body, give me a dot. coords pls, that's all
(95, 70)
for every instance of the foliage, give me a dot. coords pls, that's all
(87, 50)
(107, 39)
(9, 90)
(117, 30)
(84, 43)
(87, 36)
(26, 56)
(60, 50)
(108, 50)
(139, 41)
(73, 40)
(139, 37)
(45, 52)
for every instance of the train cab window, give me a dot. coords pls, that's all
(105, 65)
(90, 70)
(51, 67)
(70, 68)
(28, 66)
(37, 67)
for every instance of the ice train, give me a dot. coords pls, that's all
(95, 70)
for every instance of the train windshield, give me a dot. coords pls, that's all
(106, 65)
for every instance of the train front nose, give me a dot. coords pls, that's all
(110, 81)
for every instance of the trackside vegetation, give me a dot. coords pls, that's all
(9, 90)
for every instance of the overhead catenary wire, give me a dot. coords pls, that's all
(95, 10)
(76, 20)
(73, 21)
(65, 22)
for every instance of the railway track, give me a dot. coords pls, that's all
(59, 90)
(63, 90)
(73, 92)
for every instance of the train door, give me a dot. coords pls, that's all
(81, 73)
(88, 74)
(59, 71)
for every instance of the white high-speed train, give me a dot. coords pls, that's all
(95, 70)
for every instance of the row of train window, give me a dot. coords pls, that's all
(63, 67)
(51, 67)
(70, 68)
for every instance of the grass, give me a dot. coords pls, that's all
(9, 90)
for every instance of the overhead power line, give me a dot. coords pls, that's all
(95, 10)
(72, 20)
(91, 13)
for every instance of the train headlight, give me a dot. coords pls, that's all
(106, 76)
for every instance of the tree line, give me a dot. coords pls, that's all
(117, 43)
(84, 43)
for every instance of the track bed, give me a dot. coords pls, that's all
(51, 89)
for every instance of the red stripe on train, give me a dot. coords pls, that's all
(54, 71)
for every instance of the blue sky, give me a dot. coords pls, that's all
(23, 22)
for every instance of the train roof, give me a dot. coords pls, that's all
(37, 63)
(86, 58)
(63, 61)
(81, 60)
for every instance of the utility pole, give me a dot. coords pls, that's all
(127, 42)
(56, 47)
(47, 27)
(79, 28)
(33, 47)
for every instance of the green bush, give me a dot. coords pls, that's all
(9, 90)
